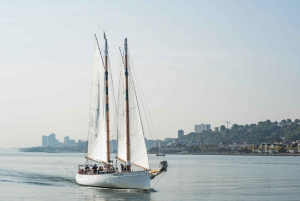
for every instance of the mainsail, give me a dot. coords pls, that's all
(138, 151)
(97, 146)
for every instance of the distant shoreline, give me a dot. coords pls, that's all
(236, 154)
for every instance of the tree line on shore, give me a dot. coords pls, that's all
(264, 131)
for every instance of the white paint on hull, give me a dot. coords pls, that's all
(124, 180)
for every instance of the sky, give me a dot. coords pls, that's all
(197, 62)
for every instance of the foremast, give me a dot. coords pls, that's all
(128, 165)
(107, 100)
(98, 136)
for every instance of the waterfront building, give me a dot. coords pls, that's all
(66, 140)
(202, 127)
(180, 134)
(44, 141)
(150, 143)
(82, 144)
(52, 141)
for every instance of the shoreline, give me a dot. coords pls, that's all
(237, 154)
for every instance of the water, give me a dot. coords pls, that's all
(50, 176)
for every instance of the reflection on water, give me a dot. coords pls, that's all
(115, 194)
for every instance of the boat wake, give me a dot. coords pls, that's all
(35, 179)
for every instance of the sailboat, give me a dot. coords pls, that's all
(135, 172)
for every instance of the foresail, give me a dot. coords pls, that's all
(138, 149)
(97, 129)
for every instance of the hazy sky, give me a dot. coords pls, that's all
(197, 61)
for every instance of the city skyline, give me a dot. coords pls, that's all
(197, 61)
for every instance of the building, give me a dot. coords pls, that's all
(202, 127)
(52, 141)
(82, 144)
(44, 141)
(180, 134)
(66, 140)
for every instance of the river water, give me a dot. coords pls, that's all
(51, 176)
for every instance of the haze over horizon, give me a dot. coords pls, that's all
(197, 62)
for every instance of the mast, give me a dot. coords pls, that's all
(107, 100)
(127, 107)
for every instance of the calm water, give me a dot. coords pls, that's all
(50, 176)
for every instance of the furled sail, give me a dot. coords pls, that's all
(97, 146)
(138, 151)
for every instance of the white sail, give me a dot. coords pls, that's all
(97, 128)
(138, 151)
(122, 151)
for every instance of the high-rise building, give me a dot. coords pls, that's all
(66, 140)
(82, 144)
(202, 127)
(44, 141)
(52, 141)
(180, 134)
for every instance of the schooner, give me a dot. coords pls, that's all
(135, 172)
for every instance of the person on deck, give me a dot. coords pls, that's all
(95, 167)
(101, 170)
(87, 168)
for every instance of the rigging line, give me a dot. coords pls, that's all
(121, 56)
(134, 75)
(143, 97)
(136, 98)
(99, 51)
(142, 101)
(140, 91)
(158, 180)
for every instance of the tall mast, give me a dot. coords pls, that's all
(107, 100)
(127, 107)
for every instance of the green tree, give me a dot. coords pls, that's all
(222, 128)
(283, 122)
(234, 127)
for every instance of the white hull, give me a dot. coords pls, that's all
(124, 180)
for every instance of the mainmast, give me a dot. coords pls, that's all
(107, 100)
(127, 107)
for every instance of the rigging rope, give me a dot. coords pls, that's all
(158, 180)
(142, 97)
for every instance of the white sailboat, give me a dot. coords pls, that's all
(132, 151)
